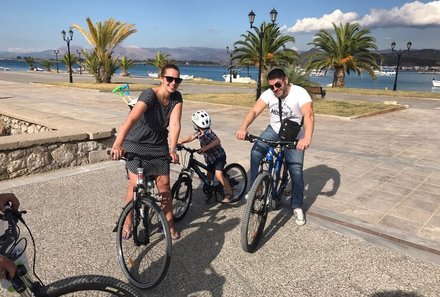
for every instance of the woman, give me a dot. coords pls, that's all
(152, 129)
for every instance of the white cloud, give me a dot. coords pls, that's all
(23, 50)
(413, 14)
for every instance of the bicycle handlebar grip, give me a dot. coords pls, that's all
(16, 281)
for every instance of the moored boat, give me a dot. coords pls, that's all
(435, 83)
(234, 76)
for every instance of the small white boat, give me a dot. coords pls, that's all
(236, 78)
(435, 83)
(4, 68)
(317, 73)
(152, 74)
(385, 71)
(38, 69)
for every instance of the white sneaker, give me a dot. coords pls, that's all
(300, 218)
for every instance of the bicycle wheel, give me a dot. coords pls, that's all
(237, 178)
(182, 195)
(145, 257)
(255, 213)
(88, 285)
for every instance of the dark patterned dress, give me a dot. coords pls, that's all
(149, 136)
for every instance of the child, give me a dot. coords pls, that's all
(213, 152)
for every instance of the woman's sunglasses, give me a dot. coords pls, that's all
(276, 85)
(170, 79)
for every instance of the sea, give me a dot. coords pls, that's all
(406, 80)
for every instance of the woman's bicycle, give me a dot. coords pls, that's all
(146, 256)
(182, 190)
(265, 193)
(13, 246)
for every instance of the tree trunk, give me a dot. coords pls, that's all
(339, 77)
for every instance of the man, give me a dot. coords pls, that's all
(295, 103)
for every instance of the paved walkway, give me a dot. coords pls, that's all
(375, 178)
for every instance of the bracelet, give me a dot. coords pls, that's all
(173, 149)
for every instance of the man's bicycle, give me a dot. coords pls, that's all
(265, 193)
(182, 190)
(13, 246)
(146, 256)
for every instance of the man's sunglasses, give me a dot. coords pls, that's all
(276, 85)
(170, 79)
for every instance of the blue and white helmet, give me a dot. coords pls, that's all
(201, 119)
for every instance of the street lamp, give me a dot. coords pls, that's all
(399, 54)
(56, 57)
(67, 39)
(230, 58)
(79, 59)
(273, 17)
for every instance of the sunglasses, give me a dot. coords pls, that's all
(276, 85)
(170, 79)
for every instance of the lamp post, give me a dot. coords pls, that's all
(67, 39)
(79, 60)
(399, 54)
(230, 58)
(55, 51)
(273, 17)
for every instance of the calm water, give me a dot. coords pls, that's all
(409, 81)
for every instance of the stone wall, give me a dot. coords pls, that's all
(42, 158)
(14, 126)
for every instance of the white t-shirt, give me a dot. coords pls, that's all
(291, 106)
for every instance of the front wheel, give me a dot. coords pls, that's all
(182, 195)
(146, 255)
(237, 177)
(88, 285)
(255, 213)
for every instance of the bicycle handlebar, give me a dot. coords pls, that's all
(128, 156)
(289, 144)
(190, 150)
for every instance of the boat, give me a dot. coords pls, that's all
(435, 83)
(38, 69)
(385, 71)
(182, 76)
(318, 73)
(152, 74)
(236, 78)
(4, 68)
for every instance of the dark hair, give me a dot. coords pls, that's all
(276, 73)
(168, 66)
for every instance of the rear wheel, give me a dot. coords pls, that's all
(89, 285)
(237, 177)
(182, 195)
(255, 213)
(144, 257)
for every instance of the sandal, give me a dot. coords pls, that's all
(127, 233)
(175, 236)
(227, 199)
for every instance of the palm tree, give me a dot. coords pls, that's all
(160, 59)
(65, 60)
(274, 51)
(104, 37)
(125, 63)
(350, 50)
(30, 61)
(47, 64)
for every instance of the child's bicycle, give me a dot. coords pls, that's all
(265, 193)
(146, 256)
(14, 247)
(124, 92)
(181, 190)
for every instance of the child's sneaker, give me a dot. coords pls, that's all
(300, 218)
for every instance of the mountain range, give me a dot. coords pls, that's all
(420, 57)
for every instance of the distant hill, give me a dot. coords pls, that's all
(425, 57)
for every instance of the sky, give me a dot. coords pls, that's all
(35, 25)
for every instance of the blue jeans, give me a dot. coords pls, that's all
(294, 161)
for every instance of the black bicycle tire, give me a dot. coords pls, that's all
(87, 283)
(237, 197)
(247, 246)
(148, 201)
(188, 196)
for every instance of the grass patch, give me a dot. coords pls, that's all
(416, 94)
(340, 108)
